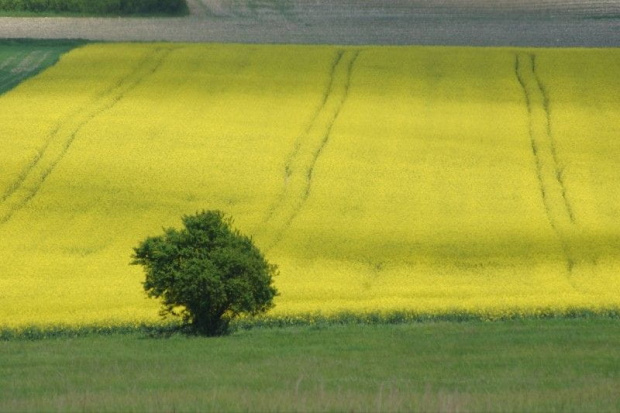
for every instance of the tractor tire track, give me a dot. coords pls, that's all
(549, 172)
(559, 170)
(300, 165)
(302, 137)
(59, 141)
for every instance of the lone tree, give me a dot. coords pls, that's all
(207, 273)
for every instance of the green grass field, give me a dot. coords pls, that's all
(533, 366)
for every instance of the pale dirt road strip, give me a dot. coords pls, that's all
(594, 23)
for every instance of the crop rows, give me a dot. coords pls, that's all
(429, 182)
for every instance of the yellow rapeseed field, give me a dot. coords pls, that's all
(421, 179)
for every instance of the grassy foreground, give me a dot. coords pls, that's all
(550, 365)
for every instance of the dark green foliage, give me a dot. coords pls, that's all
(206, 273)
(97, 7)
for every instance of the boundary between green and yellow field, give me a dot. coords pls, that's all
(166, 328)
(21, 59)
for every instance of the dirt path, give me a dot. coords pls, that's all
(595, 23)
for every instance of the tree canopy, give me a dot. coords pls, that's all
(208, 273)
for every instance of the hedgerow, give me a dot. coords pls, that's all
(97, 7)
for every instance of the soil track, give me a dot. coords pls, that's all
(594, 23)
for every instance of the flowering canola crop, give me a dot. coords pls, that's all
(421, 179)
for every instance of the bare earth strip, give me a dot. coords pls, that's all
(594, 23)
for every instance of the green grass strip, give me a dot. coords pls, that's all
(21, 59)
(169, 328)
(89, 8)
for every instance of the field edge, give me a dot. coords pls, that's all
(167, 328)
